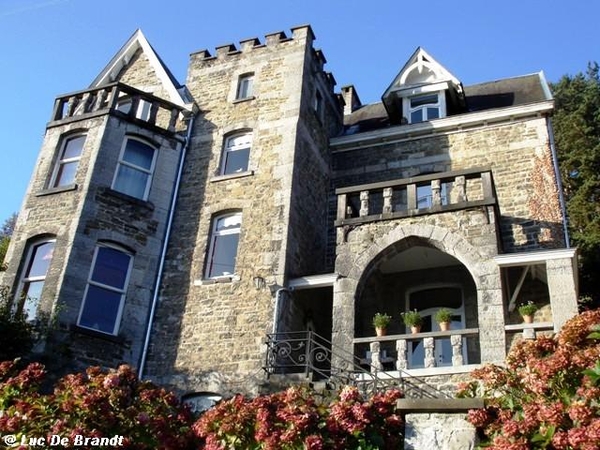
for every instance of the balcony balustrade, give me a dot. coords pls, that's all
(427, 194)
(405, 347)
(119, 99)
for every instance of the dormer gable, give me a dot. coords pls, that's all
(136, 57)
(423, 90)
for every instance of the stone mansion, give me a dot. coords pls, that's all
(205, 232)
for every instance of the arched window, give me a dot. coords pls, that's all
(105, 292)
(135, 168)
(236, 154)
(32, 281)
(67, 161)
(223, 245)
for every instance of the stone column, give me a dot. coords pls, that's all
(429, 346)
(457, 345)
(375, 348)
(402, 351)
(563, 290)
(387, 200)
(364, 203)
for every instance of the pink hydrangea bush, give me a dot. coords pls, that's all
(547, 396)
(93, 404)
(298, 419)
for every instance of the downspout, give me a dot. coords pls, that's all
(277, 306)
(561, 197)
(163, 253)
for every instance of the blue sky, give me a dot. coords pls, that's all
(51, 47)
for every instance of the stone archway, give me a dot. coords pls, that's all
(353, 266)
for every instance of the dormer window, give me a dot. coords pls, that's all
(421, 108)
(423, 91)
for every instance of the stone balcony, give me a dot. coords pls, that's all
(121, 100)
(408, 197)
(392, 354)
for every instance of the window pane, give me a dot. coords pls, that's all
(433, 113)
(131, 181)
(224, 252)
(245, 87)
(32, 292)
(423, 100)
(40, 260)
(229, 222)
(111, 267)
(139, 154)
(416, 116)
(100, 309)
(236, 161)
(66, 174)
(73, 147)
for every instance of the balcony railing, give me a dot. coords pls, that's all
(400, 344)
(427, 194)
(305, 352)
(119, 98)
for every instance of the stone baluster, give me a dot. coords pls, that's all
(429, 346)
(402, 352)
(153, 113)
(436, 197)
(459, 190)
(364, 204)
(173, 119)
(83, 105)
(101, 97)
(71, 106)
(387, 200)
(457, 345)
(375, 348)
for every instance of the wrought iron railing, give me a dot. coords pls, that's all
(308, 353)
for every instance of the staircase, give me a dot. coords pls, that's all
(322, 363)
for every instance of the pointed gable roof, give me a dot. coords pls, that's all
(175, 92)
(421, 73)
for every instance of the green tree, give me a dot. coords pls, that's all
(576, 125)
(5, 233)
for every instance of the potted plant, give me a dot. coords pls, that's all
(443, 317)
(413, 320)
(527, 310)
(381, 322)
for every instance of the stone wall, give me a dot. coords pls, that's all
(210, 333)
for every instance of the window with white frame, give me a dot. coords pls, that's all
(68, 161)
(425, 107)
(33, 278)
(106, 287)
(245, 87)
(134, 171)
(236, 154)
(223, 245)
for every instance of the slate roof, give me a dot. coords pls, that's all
(483, 96)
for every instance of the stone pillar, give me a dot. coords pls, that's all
(490, 310)
(402, 352)
(375, 348)
(364, 204)
(436, 197)
(435, 431)
(457, 344)
(562, 287)
(387, 200)
(459, 190)
(429, 346)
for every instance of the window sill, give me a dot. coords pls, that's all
(242, 100)
(217, 280)
(232, 176)
(57, 190)
(97, 334)
(120, 195)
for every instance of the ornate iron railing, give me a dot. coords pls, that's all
(308, 353)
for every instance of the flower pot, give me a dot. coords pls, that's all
(444, 326)
(380, 331)
(415, 329)
(527, 318)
